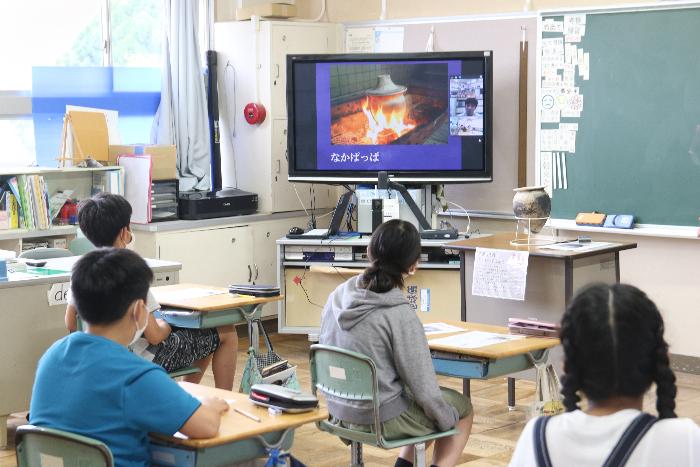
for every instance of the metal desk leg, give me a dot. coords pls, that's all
(511, 393)
(466, 387)
(253, 331)
(3, 431)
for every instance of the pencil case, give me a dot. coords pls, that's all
(595, 219)
(285, 399)
(533, 327)
(254, 290)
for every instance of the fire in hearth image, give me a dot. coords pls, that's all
(384, 103)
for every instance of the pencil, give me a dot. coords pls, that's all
(246, 414)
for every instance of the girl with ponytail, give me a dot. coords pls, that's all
(370, 314)
(614, 349)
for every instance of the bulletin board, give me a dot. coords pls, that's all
(620, 114)
(503, 36)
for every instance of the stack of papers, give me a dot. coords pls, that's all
(475, 339)
(440, 328)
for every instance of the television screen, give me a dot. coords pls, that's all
(423, 118)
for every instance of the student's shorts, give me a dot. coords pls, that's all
(184, 346)
(413, 421)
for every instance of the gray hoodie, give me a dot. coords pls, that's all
(384, 327)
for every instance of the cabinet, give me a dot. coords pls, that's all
(220, 252)
(252, 68)
(309, 270)
(83, 181)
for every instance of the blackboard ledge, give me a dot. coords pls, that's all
(640, 230)
(455, 212)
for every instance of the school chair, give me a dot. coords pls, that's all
(35, 445)
(80, 245)
(46, 253)
(352, 376)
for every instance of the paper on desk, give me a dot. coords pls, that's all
(576, 246)
(193, 292)
(475, 339)
(500, 273)
(439, 328)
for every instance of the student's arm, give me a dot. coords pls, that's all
(156, 330)
(415, 367)
(71, 318)
(204, 423)
(155, 403)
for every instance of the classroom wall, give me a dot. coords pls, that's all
(342, 11)
(667, 269)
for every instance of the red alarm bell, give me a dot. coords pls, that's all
(254, 113)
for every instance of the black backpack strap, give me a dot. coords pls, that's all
(629, 440)
(541, 451)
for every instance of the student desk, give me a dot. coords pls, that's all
(239, 438)
(208, 311)
(552, 278)
(32, 309)
(489, 361)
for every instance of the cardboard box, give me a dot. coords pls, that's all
(271, 10)
(163, 158)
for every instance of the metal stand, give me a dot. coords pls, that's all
(524, 235)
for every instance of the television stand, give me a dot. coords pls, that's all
(426, 230)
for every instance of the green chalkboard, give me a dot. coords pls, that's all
(638, 140)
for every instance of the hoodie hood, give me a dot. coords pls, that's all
(351, 303)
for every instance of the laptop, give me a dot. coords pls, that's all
(333, 227)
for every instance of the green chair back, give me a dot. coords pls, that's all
(46, 253)
(37, 446)
(352, 376)
(348, 375)
(80, 245)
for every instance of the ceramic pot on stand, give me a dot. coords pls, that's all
(532, 204)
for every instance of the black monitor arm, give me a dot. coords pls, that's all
(383, 183)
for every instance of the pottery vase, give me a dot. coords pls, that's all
(534, 203)
(387, 96)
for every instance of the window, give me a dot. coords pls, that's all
(137, 32)
(47, 33)
(66, 33)
(17, 142)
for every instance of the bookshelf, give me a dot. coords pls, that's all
(83, 181)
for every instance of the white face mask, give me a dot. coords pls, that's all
(132, 242)
(139, 331)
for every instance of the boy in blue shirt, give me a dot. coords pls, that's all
(104, 219)
(89, 382)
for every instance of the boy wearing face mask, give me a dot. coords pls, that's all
(104, 219)
(89, 383)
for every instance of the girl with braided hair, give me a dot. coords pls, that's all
(370, 314)
(614, 349)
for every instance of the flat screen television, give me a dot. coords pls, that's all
(422, 117)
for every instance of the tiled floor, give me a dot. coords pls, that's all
(495, 432)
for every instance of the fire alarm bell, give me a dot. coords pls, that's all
(254, 113)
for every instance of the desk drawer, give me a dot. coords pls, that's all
(198, 320)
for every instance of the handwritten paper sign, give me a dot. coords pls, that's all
(500, 273)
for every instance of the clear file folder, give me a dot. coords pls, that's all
(137, 186)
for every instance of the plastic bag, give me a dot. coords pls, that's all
(547, 391)
(258, 360)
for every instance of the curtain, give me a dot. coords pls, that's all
(182, 117)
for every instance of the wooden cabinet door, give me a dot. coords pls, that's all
(217, 257)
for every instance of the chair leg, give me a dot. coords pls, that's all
(419, 455)
(356, 454)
